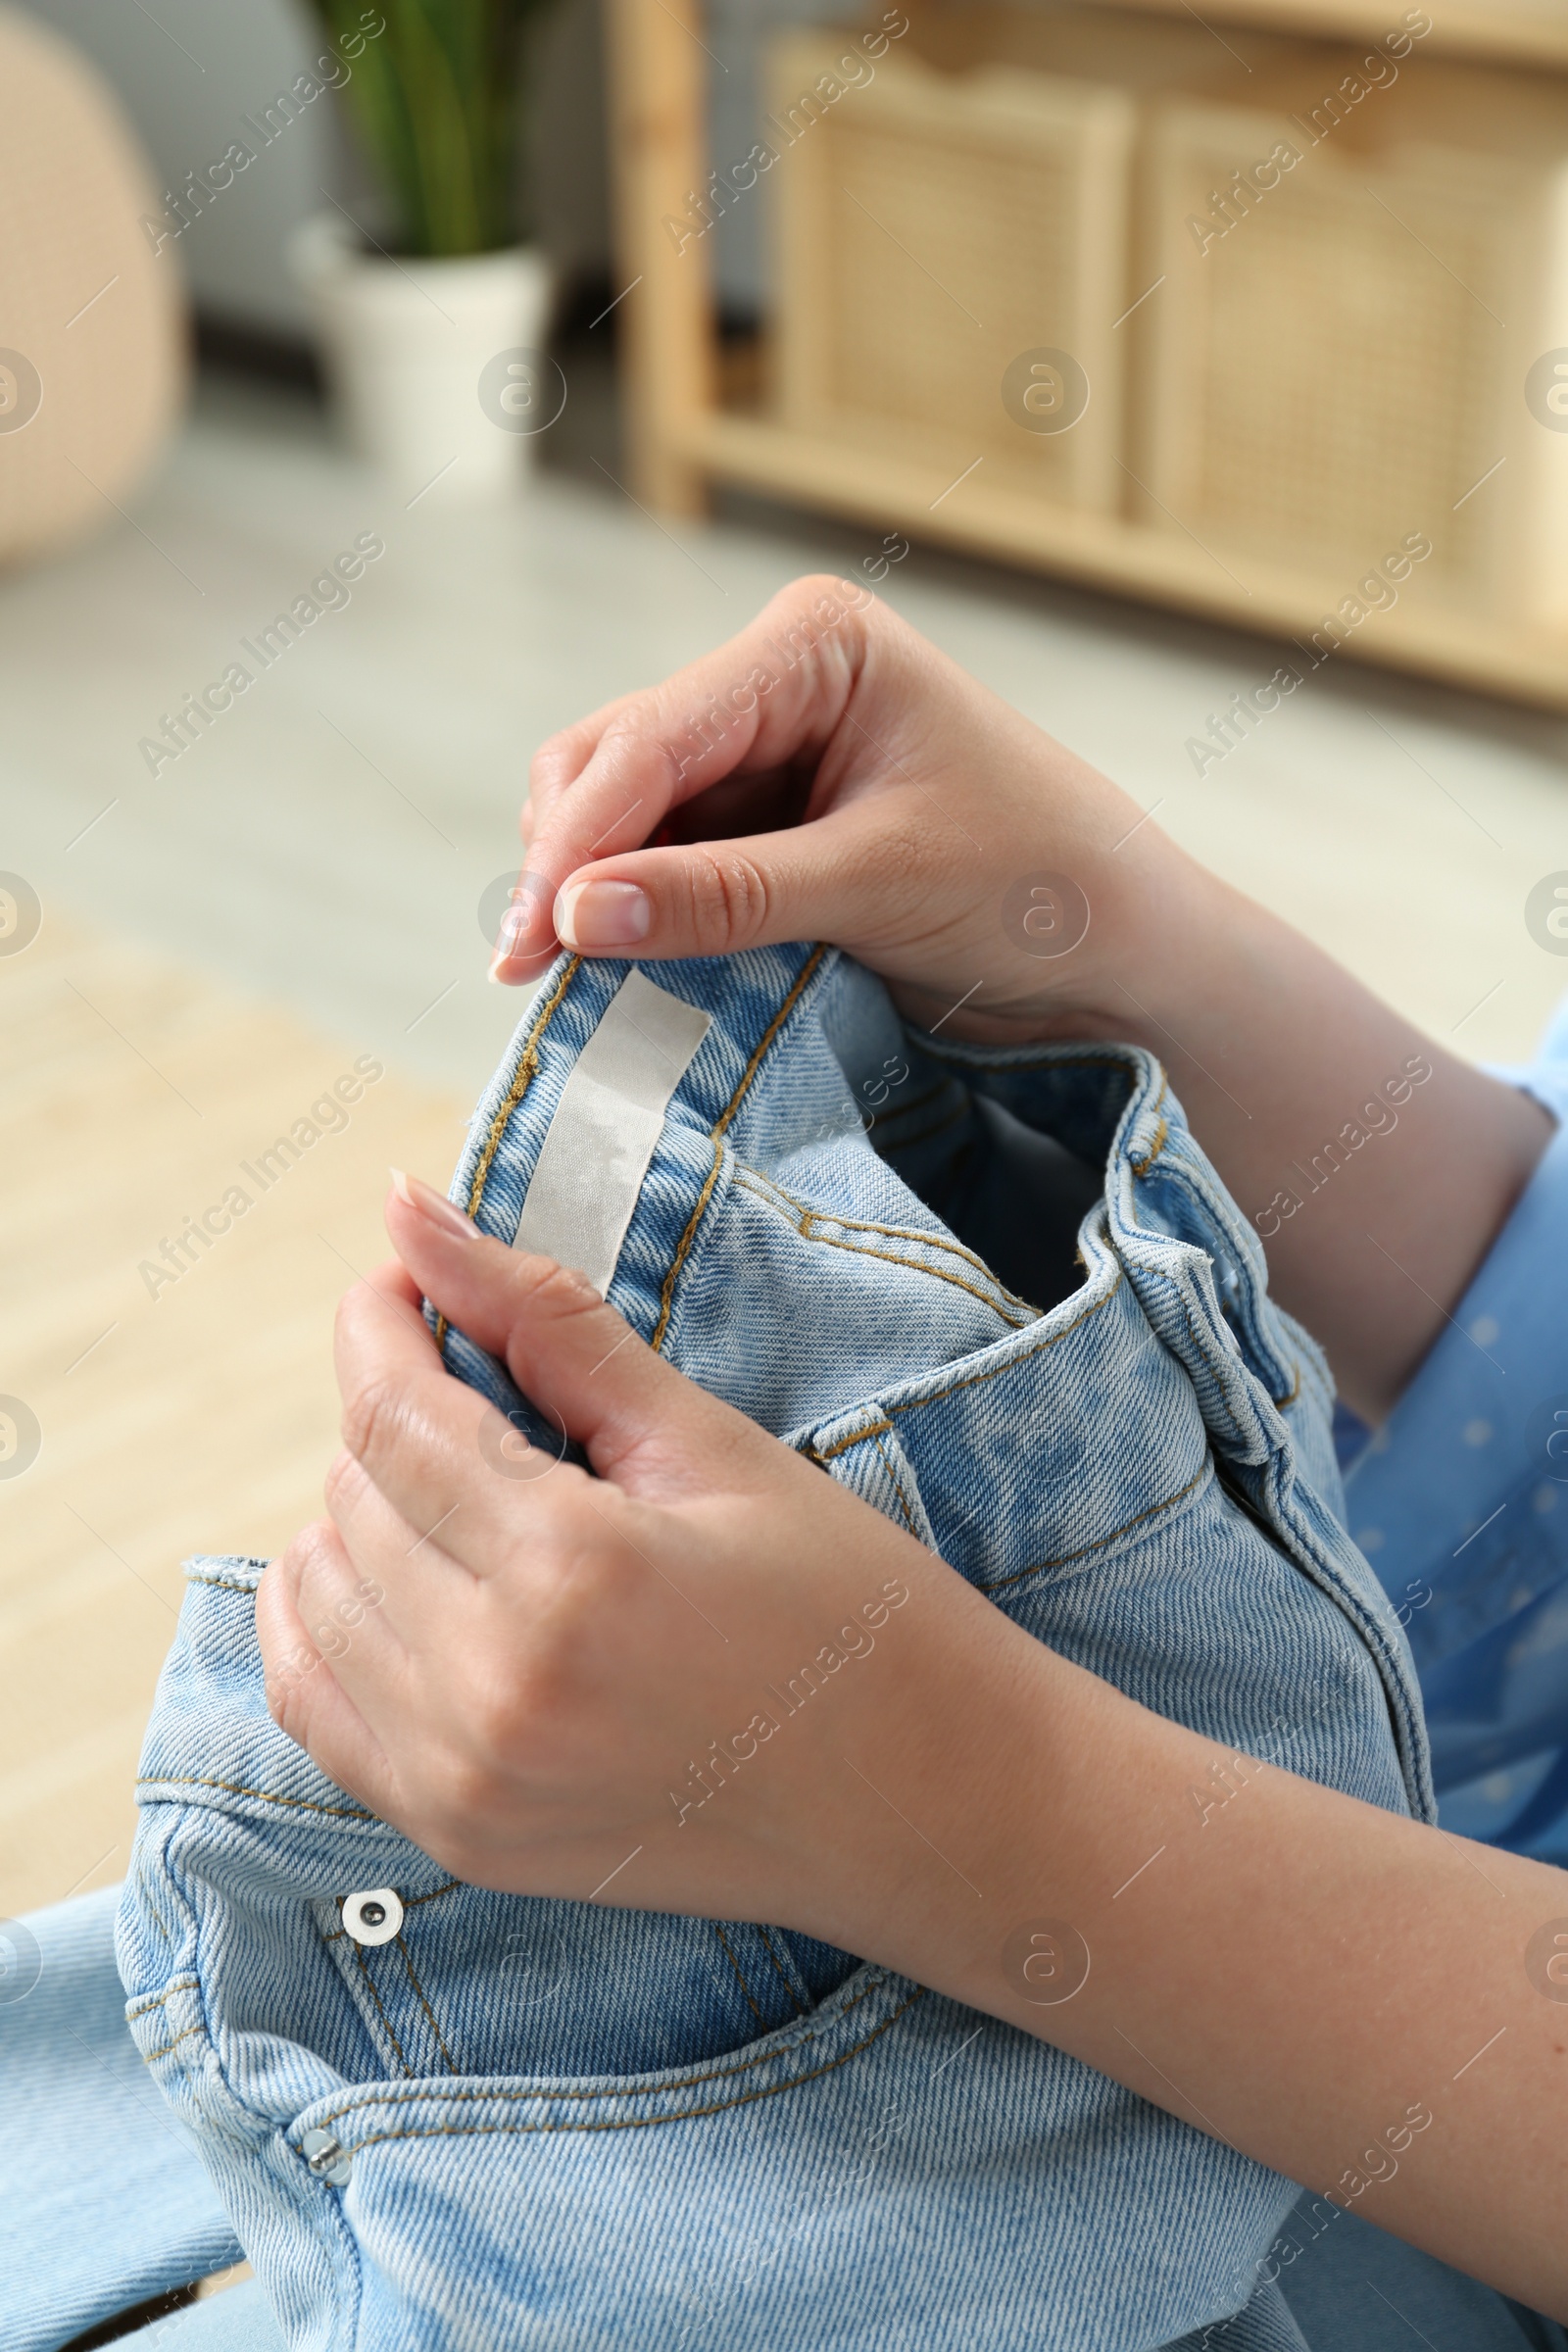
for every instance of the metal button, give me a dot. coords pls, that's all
(373, 1917)
(326, 2157)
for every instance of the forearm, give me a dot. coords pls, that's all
(1339, 1993)
(1377, 1167)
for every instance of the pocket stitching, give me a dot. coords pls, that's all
(630, 2123)
(719, 2073)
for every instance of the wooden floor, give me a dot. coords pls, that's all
(199, 1420)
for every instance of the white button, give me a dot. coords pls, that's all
(373, 1917)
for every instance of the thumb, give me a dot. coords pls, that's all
(713, 898)
(814, 880)
(642, 1422)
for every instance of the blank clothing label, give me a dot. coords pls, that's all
(607, 1126)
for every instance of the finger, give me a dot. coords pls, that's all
(772, 696)
(642, 1422)
(303, 1693)
(427, 1492)
(713, 898)
(410, 1581)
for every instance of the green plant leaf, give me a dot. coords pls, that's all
(435, 95)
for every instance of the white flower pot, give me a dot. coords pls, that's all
(437, 368)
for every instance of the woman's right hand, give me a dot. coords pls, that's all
(830, 774)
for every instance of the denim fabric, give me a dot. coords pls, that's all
(1350, 2287)
(239, 2319)
(104, 2202)
(565, 2126)
(1461, 1505)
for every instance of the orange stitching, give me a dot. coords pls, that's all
(156, 2000)
(903, 1500)
(1039, 1567)
(683, 1246)
(807, 970)
(1141, 1167)
(736, 1966)
(912, 1404)
(266, 1796)
(410, 1902)
(527, 1071)
(418, 1989)
(894, 1233)
(889, 1257)
(718, 2074)
(365, 1971)
(148, 2056)
(641, 2122)
(221, 1584)
(767, 1946)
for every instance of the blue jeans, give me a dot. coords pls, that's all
(1022, 1318)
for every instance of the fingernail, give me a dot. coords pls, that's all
(426, 1202)
(593, 916)
(525, 915)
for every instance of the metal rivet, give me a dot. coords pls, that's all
(373, 1917)
(326, 2157)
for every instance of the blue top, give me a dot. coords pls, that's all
(1461, 1505)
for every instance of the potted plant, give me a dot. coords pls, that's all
(430, 316)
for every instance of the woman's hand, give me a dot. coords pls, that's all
(572, 1683)
(536, 1663)
(830, 774)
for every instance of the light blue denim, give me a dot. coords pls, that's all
(558, 2125)
(1461, 1502)
(104, 2202)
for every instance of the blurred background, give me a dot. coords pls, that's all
(384, 387)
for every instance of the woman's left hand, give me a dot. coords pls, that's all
(540, 1676)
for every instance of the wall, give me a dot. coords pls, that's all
(190, 70)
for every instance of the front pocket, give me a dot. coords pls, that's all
(476, 1982)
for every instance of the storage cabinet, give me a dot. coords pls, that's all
(1215, 312)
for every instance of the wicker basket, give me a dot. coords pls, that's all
(953, 260)
(1338, 356)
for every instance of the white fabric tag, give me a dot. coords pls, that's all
(607, 1127)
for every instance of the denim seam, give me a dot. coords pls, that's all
(156, 2000)
(1214, 1207)
(527, 1071)
(419, 1995)
(889, 1256)
(974, 1379)
(265, 1796)
(638, 2123)
(894, 1233)
(797, 989)
(149, 2056)
(221, 1584)
(380, 2008)
(667, 1296)
(897, 1484)
(767, 1946)
(718, 2074)
(1067, 1558)
(1141, 1167)
(740, 1974)
(410, 1903)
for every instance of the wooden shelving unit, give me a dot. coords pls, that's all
(683, 440)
